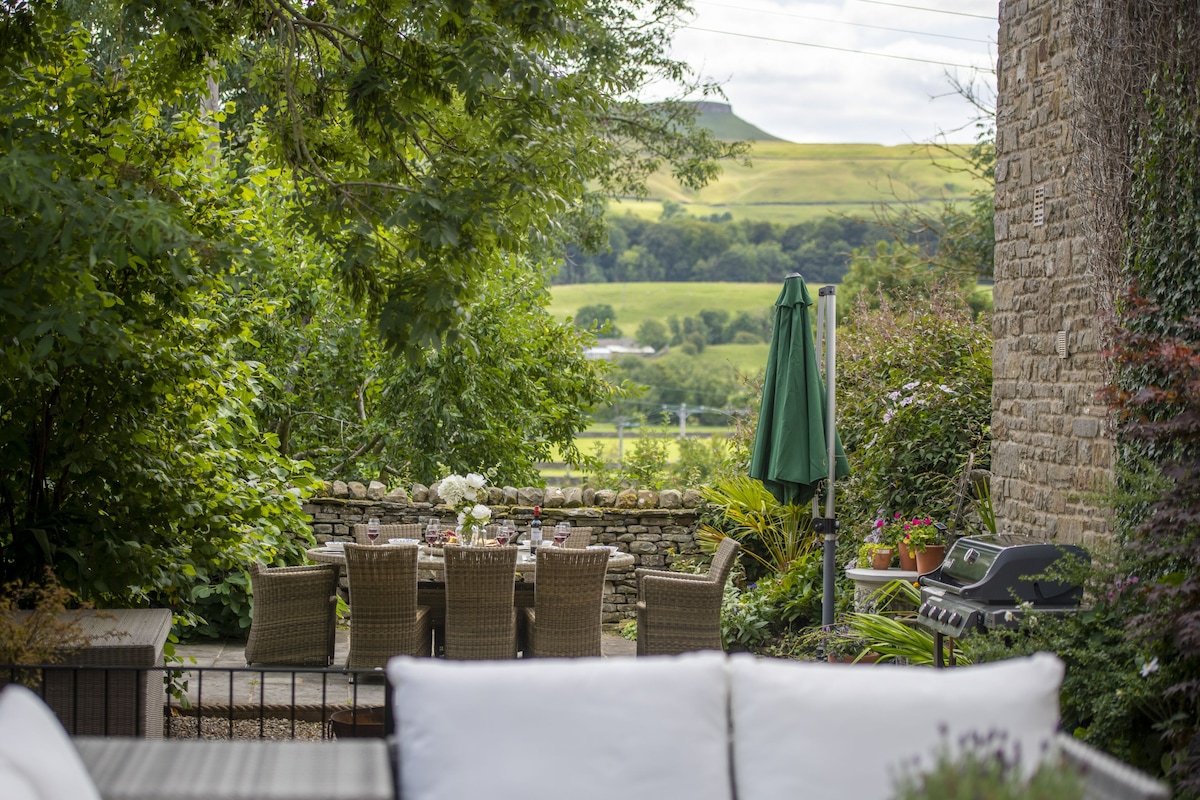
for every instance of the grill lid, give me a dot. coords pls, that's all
(1005, 569)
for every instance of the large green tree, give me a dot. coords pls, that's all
(426, 157)
(134, 465)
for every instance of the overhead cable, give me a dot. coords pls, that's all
(841, 49)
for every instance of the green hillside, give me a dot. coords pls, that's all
(720, 119)
(790, 183)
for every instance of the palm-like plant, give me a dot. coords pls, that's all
(771, 533)
(893, 634)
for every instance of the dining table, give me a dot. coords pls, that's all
(431, 568)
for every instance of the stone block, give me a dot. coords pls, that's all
(553, 497)
(627, 498)
(572, 497)
(529, 496)
(340, 489)
(508, 496)
(357, 490)
(643, 548)
(1086, 427)
(647, 498)
(398, 496)
(420, 493)
(670, 498)
(605, 498)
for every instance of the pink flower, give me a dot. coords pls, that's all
(928, 521)
(896, 515)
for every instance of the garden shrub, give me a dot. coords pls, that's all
(914, 402)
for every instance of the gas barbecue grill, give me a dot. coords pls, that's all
(985, 581)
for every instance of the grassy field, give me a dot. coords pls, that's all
(789, 183)
(634, 302)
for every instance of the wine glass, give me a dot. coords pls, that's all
(562, 532)
(372, 530)
(433, 532)
(503, 535)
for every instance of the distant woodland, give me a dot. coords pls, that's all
(717, 248)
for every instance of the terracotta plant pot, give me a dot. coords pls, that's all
(908, 558)
(881, 559)
(930, 558)
(869, 658)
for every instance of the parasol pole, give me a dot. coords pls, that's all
(827, 323)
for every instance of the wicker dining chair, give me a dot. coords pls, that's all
(579, 539)
(294, 615)
(402, 531)
(481, 622)
(565, 619)
(678, 612)
(385, 619)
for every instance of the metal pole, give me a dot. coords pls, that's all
(827, 312)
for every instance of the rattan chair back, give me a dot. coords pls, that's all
(293, 617)
(481, 621)
(406, 530)
(565, 620)
(579, 538)
(385, 619)
(678, 612)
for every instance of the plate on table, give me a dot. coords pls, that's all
(612, 551)
(335, 547)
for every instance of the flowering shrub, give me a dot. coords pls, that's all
(914, 402)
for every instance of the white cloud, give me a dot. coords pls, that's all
(816, 94)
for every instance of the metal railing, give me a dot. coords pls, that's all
(206, 702)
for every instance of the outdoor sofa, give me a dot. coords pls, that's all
(700, 726)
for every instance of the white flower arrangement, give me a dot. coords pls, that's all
(462, 495)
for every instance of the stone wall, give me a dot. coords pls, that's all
(1051, 444)
(653, 534)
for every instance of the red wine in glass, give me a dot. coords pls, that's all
(561, 535)
(502, 536)
(372, 530)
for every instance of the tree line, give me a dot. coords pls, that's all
(678, 247)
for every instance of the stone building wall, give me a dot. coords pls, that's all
(653, 534)
(1051, 445)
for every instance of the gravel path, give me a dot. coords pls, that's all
(218, 728)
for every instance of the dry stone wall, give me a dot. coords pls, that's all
(656, 528)
(1051, 443)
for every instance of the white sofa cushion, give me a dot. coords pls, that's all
(38, 754)
(828, 730)
(584, 729)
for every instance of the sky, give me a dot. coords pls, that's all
(777, 63)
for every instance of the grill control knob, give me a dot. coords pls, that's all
(924, 610)
(942, 617)
(955, 618)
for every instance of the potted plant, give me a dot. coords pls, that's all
(924, 537)
(874, 556)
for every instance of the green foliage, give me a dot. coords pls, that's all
(982, 767)
(772, 534)
(599, 318)
(135, 467)
(652, 333)
(774, 606)
(914, 401)
(1155, 395)
(44, 635)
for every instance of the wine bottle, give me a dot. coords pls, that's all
(535, 531)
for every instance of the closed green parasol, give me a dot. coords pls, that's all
(796, 439)
(791, 452)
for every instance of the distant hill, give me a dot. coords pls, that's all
(789, 183)
(720, 119)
